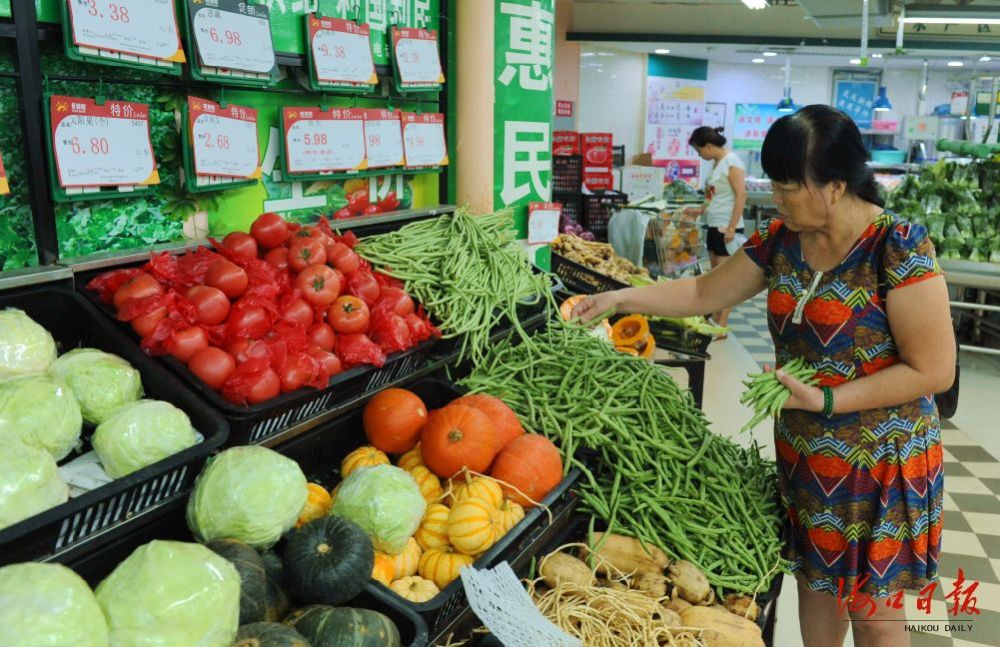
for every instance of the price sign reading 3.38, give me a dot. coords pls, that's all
(139, 27)
(342, 51)
(224, 140)
(233, 36)
(101, 145)
(324, 141)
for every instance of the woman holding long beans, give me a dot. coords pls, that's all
(859, 296)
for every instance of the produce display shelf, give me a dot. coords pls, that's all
(92, 518)
(320, 452)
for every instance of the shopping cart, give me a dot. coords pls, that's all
(676, 237)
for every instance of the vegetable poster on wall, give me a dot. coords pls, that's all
(854, 93)
(675, 106)
(752, 122)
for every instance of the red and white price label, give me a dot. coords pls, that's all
(101, 145)
(318, 141)
(417, 57)
(342, 51)
(383, 138)
(139, 27)
(543, 222)
(423, 139)
(224, 140)
(4, 185)
(234, 36)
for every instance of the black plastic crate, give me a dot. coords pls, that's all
(320, 451)
(567, 173)
(84, 522)
(598, 209)
(572, 206)
(97, 565)
(266, 423)
(580, 279)
(618, 156)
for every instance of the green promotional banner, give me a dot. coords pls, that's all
(522, 165)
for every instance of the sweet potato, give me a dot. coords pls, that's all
(722, 628)
(677, 605)
(560, 567)
(626, 555)
(669, 618)
(653, 585)
(692, 585)
(742, 605)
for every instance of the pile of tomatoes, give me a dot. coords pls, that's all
(281, 308)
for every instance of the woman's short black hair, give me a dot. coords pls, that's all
(819, 144)
(705, 135)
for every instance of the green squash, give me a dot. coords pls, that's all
(253, 578)
(325, 626)
(276, 599)
(272, 564)
(269, 634)
(328, 561)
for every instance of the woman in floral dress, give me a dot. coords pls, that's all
(859, 295)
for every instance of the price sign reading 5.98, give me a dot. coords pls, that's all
(324, 141)
(101, 145)
(233, 36)
(341, 51)
(225, 139)
(140, 27)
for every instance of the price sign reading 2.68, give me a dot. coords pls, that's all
(225, 139)
(324, 141)
(234, 36)
(140, 27)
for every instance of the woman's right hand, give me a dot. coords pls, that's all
(594, 305)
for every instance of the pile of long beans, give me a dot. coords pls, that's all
(767, 395)
(652, 469)
(468, 272)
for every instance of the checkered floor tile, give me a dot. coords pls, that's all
(971, 537)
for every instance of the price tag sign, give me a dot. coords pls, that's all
(224, 140)
(146, 28)
(417, 59)
(232, 35)
(543, 222)
(4, 185)
(423, 139)
(324, 141)
(101, 145)
(341, 52)
(383, 138)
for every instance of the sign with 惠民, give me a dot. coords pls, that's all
(751, 124)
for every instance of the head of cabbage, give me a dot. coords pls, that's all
(40, 411)
(251, 493)
(385, 501)
(48, 605)
(101, 382)
(29, 482)
(25, 347)
(171, 593)
(141, 433)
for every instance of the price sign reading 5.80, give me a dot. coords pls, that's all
(233, 37)
(341, 51)
(141, 27)
(324, 141)
(225, 139)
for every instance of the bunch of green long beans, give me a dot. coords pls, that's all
(467, 271)
(767, 395)
(652, 469)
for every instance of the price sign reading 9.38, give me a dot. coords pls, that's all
(233, 35)
(423, 139)
(383, 138)
(341, 51)
(140, 27)
(101, 145)
(224, 140)
(417, 58)
(324, 141)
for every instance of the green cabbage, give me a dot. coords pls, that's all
(48, 605)
(385, 501)
(101, 382)
(250, 493)
(40, 411)
(29, 482)
(140, 434)
(171, 593)
(25, 347)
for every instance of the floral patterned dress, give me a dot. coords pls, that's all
(863, 490)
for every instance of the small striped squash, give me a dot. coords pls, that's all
(405, 563)
(473, 525)
(384, 570)
(366, 456)
(442, 565)
(415, 589)
(481, 487)
(411, 459)
(428, 482)
(433, 530)
(511, 514)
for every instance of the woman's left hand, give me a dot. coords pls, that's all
(728, 234)
(804, 397)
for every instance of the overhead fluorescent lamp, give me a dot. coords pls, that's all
(985, 59)
(662, 51)
(876, 55)
(855, 61)
(770, 54)
(930, 14)
(956, 64)
(756, 4)
(758, 60)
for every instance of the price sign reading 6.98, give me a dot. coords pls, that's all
(139, 27)
(224, 140)
(341, 52)
(324, 141)
(233, 35)
(101, 145)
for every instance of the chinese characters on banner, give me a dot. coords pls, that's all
(522, 166)
(857, 99)
(751, 124)
(674, 108)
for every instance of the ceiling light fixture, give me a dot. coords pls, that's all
(956, 64)
(855, 61)
(770, 54)
(662, 51)
(786, 104)
(876, 55)
(756, 4)
(758, 60)
(929, 14)
(985, 59)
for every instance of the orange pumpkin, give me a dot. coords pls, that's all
(505, 421)
(473, 525)
(411, 459)
(458, 436)
(428, 482)
(318, 504)
(511, 514)
(405, 563)
(531, 464)
(630, 330)
(366, 456)
(443, 565)
(383, 571)
(393, 419)
(566, 309)
(482, 487)
(433, 530)
(415, 589)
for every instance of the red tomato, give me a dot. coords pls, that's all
(299, 369)
(185, 343)
(319, 284)
(328, 360)
(266, 388)
(142, 285)
(252, 321)
(299, 312)
(144, 325)
(349, 316)
(343, 213)
(241, 244)
(305, 252)
(212, 366)
(212, 305)
(323, 336)
(390, 202)
(228, 277)
(343, 258)
(241, 350)
(278, 257)
(307, 232)
(400, 301)
(358, 201)
(270, 230)
(373, 209)
(364, 286)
